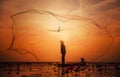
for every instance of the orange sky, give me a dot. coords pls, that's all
(82, 39)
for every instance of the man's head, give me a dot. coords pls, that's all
(61, 41)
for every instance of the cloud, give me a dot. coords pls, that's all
(98, 7)
(117, 32)
(41, 4)
(104, 3)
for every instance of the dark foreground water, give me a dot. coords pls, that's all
(54, 69)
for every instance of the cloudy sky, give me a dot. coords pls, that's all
(82, 38)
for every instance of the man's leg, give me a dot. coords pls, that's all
(63, 58)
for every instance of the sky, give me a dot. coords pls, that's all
(35, 32)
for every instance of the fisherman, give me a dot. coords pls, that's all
(63, 51)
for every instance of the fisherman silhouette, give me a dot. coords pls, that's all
(63, 51)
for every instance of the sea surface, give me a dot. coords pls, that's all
(55, 69)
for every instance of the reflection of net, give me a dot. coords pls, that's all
(63, 19)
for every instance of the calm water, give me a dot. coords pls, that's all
(54, 70)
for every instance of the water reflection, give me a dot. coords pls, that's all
(55, 69)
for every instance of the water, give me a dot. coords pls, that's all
(54, 69)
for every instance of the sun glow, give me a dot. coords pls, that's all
(42, 33)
